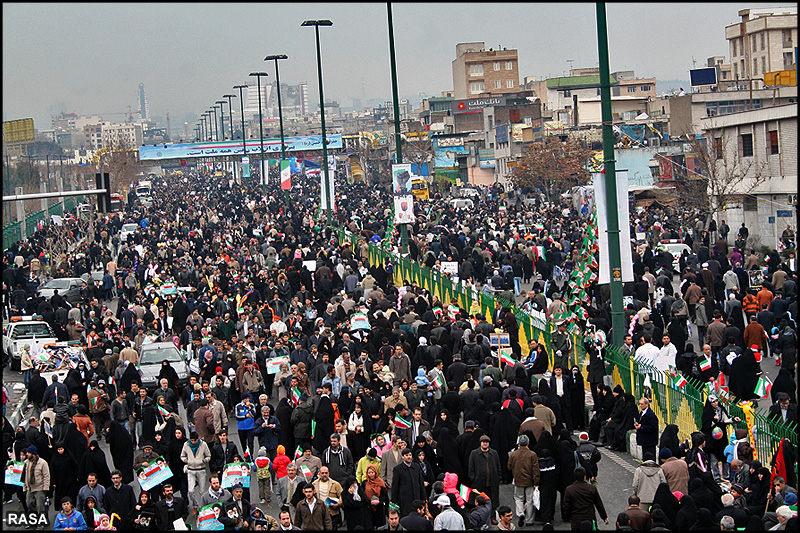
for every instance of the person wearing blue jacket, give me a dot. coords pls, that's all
(69, 518)
(267, 428)
(245, 414)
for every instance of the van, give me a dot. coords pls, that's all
(461, 203)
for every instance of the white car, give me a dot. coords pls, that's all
(126, 230)
(676, 249)
(26, 331)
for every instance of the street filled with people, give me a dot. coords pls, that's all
(246, 370)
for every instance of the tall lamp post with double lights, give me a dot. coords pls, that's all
(215, 129)
(325, 178)
(230, 111)
(397, 138)
(241, 106)
(261, 173)
(276, 58)
(221, 104)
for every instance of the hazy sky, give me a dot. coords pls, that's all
(90, 58)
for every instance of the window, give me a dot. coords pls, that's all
(733, 48)
(631, 89)
(497, 84)
(509, 84)
(763, 65)
(509, 65)
(644, 88)
(753, 40)
(746, 145)
(763, 39)
(497, 65)
(787, 60)
(476, 69)
(772, 138)
(736, 71)
(724, 74)
(787, 38)
(755, 67)
(717, 147)
(567, 94)
(750, 203)
(476, 87)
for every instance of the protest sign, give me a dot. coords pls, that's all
(14, 473)
(153, 474)
(236, 473)
(208, 517)
(274, 364)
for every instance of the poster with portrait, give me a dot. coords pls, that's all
(274, 364)
(153, 474)
(401, 180)
(14, 473)
(236, 473)
(404, 209)
(208, 517)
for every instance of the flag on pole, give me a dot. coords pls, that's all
(306, 472)
(438, 381)
(505, 357)
(296, 395)
(763, 387)
(679, 381)
(96, 514)
(705, 364)
(163, 411)
(464, 492)
(286, 175)
(298, 453)
(401, 423)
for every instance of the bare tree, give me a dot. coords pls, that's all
(552, 166)
(120, 159)
(724, 176)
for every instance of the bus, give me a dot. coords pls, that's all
(419, 188)
(117, 203)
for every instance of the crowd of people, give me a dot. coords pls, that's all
(413, 422)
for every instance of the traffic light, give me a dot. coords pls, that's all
(103, 181)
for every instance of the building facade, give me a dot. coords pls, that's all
(763, 41)
(478, 72)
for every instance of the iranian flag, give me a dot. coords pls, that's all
(438, 382)
(298, 453)
(763, 387)
(437, 311)
(305, 471)
(464, 492)
(705, 364)
(401, 423)
(96, 514)
(295, 395)
(756, 353)
(679, 382)
(163, 411)
(505, 357)
(538, 227)
(110, 380)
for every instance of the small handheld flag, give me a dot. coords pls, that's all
(679, 382)
(705, 364)
(401, 423)
(295, 395)
(505, 357)
(763, 387)
(438, 382)
(464, 492)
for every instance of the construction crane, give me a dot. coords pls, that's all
(129, 114)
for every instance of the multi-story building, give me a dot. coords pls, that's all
(763, 41)
(757, 143)
(478, 72)
(629, 85)
(121, 135)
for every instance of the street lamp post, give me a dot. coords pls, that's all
(221, 116)
(230, 111)
(397, 139)
(325, 178)
(216, 124)
(261, 129)
(280, 108)
(241, 105)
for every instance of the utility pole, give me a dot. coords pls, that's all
(610, 170)
(398, 141)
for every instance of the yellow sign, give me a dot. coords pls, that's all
(18, 131)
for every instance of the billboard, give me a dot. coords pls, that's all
(703, 76)
(403, 196)
(501, 134)
(18, 131)
(234, 148)
(623, 213)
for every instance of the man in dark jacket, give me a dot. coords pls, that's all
(484, 471)
(646, 425)
(169, 509)
(119, 496)
(416, 521)
(407, 483)
(222, 453)
(580, 500)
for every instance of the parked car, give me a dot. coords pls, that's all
(22, 331)
(150, 358)
(676, 248)
(127, 229)
(461, 203)
(69, 288)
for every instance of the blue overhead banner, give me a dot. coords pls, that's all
(234, 148)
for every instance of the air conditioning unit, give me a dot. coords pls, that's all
(793, 199)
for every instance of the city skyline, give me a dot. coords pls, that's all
(186, 67)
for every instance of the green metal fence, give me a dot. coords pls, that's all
(682, 406)
(13, 232)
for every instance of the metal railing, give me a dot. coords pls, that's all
(13, 232)
(680, 406)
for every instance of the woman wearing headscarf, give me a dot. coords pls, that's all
(421, 458)
(430, 454)
(744, 376)
(121, 447)
(479, 414)
(444, 421)
(687, 514)
(548, 484)
(566, 460)
(697, 458)
(74, 386)
(145, 506)
(358, 432)
(504, 435)
(283, 412)
(784, 383)
(715, 417)
(705, 521)
(629, 413)
(667, 501)
(94, 460)
(448, 462)
(758, 490)
(551, 401)
(669, 439)
(65, 470)
(702, 496)
(602, 411)
(171, 375)
(715, 490)
(179, 479)
(356, 505)
(578, 398)
(375, 492)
